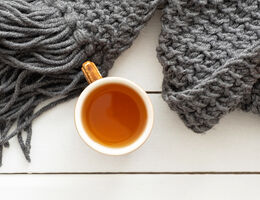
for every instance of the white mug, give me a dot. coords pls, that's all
(95, 79)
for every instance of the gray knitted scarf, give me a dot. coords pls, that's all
(209, 50)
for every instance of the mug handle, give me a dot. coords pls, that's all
(90, 72)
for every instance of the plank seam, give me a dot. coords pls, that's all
(153, 92)
(133, 173)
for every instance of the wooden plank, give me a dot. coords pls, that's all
(233, 145)
(139, 63)
(128, 187)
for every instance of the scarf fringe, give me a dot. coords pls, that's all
(37, 39)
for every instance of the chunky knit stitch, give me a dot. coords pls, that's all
(209, 49)
(43, 44)
(210, 52)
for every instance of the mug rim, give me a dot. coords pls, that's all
(114, 150)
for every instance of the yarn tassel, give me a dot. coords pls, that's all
(37, 39)
(35, 36)
(41, 50)
(27, 91)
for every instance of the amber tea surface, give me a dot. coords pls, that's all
(114, 115)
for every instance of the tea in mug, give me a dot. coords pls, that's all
(114, 115)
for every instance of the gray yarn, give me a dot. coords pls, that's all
(210, 52)
(42, 46)
(209, 49)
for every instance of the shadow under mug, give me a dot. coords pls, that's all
(95, 80)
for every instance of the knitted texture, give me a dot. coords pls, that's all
(210, 52)
(209, 49)
(42, 46)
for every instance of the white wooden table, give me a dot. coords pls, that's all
(174, 163)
